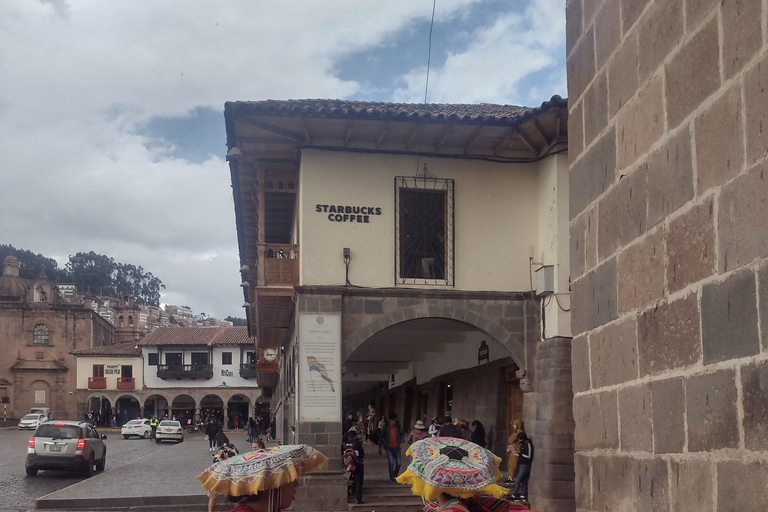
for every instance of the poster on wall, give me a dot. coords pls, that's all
(319, 367)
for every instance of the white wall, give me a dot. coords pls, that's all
(496, 209)
(85, 369)
(231, 377)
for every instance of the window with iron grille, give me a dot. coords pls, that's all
(424, 238)
(40, 335)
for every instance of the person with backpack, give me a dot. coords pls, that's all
(353, 457)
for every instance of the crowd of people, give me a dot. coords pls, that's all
(388, 435)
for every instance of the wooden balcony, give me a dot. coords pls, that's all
(185, 371)
(97, 383)
(248, 370)
(126, 383)
(280, 264)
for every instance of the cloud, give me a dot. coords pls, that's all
(82, 79)
(497, 61)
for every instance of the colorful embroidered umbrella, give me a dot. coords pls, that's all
(453, 466)
(253, 472)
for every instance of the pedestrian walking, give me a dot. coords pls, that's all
(353, 458)
(211, 430)
(391, 438)
(434, 428)
(418, 433)
(478, 435)
(525, 456)
(224, 451)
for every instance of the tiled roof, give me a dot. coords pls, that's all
(125, 348)
(197, 336)
(484, 113)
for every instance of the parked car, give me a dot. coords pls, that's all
(139, 427)
(169, 429)
(32, 421)
(68, 445)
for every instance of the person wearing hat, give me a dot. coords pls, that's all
(418, 433)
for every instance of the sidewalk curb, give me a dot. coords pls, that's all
(104, 503)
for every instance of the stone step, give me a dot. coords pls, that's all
(390, 506)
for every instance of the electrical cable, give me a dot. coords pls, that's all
(429, 53)
(558, 302)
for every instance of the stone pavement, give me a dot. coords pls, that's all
(162, 480)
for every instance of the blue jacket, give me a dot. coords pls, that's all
(384, 437)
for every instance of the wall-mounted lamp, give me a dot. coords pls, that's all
(245, 284)
(246, 304)
(347, 257)
(234, 154)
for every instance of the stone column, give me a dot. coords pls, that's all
(318, 325)
(550, 426)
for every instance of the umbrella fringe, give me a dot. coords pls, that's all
(244, 487)
(431, 492)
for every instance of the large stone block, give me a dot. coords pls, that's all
(607, 31)
(719, 141)
(614, 483)
(614, 353)
(742, 485)
(668, 336)
(580, 363)
(729, 318)
(742, 33)
(742, 213)
(756, 90)
(754, 385)
(578, 230)
(573, 24)
(641, 122)
(630, 12)
(622, 213)
(576, 131)
(691, 246)
(711, 411)
(596, 104)
(636, 429)
(622, 74)
(659, 32)
(762, 276)
(693, 74)
(580, 65)
(652, 485)
(597, 421)
(641, 268)
(696, 11)
(583, 471)
(593, 174)
(692, 481)
(670, 177)
(594, 298)
(668, 400)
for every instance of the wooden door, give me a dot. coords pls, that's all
(514, 397)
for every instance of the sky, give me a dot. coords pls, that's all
(111, 113)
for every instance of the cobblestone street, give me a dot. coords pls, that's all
(125, 474)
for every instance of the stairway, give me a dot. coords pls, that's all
(384, 496)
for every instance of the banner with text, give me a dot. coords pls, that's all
(320, 367)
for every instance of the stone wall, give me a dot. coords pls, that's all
(669, 253)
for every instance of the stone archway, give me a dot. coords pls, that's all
(182, 407)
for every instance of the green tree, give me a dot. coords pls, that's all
(30, 264)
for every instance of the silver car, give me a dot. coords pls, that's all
(169, 429)
(70, 445)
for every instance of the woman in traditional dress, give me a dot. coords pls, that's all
(513, 447)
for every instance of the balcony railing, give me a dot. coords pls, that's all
(126, 383)
(97, 383)
(185, 371)
(281, 264)
(248, 370)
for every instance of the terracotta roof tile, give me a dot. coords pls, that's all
(125, 348)
(197, 336)
(485, 113)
